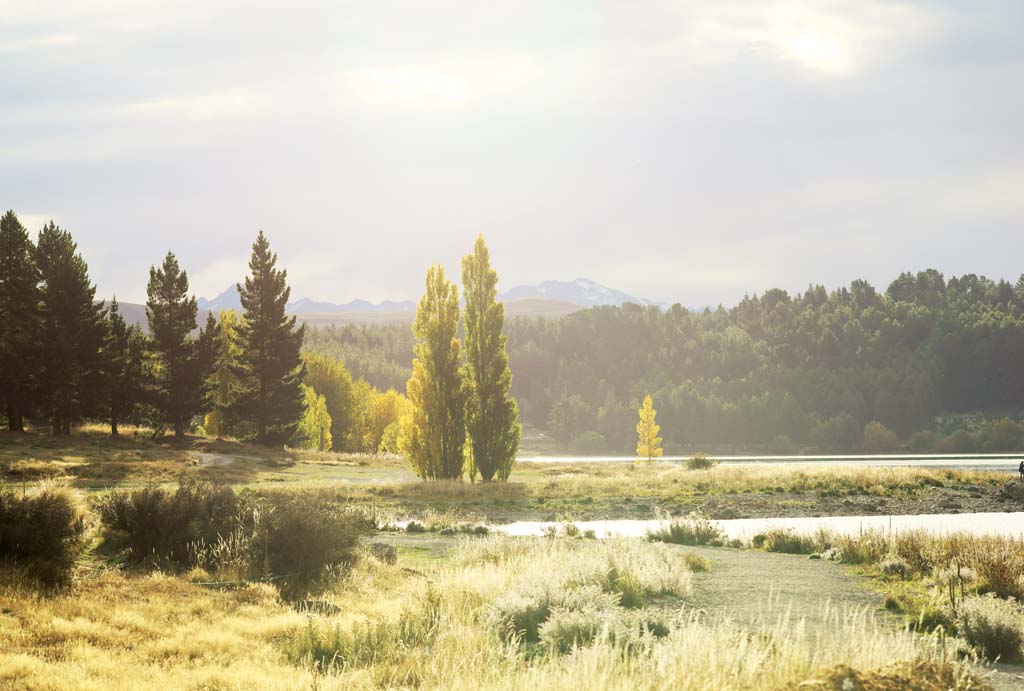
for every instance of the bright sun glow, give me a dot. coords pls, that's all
(818, 51)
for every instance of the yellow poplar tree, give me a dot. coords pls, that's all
(435, 435)
(492, 415)
(648, 445)
(314, 431)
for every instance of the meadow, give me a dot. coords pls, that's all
(152, 601)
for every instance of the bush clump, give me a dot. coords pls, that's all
(993, 626)
(294, 540)
(894, 566)
(785, 541)
(41, 534)
(694, 530)
(300, 542)
(161, 526)
(699, 461)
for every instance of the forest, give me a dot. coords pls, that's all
(912, 365)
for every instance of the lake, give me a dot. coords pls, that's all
(1011, 524)
(991, 461)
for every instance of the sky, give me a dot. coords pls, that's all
(680, 151)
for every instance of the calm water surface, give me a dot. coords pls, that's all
(1011, 524)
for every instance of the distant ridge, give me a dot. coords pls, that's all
(550, 298)
(229, 300)
(582, 292)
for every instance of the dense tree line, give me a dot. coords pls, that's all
(66, 357)
(778, 371)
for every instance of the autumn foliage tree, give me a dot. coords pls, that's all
(648, 445)
(314, 430)
(492, 417)
(435, 434)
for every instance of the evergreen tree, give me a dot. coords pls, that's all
(270, 367)
(19, 320)
(648, 445)
(182, 363)
(314, 430)
(124, 358)
(435, 437)
(223, 384)
(491, 414)
(72, 331)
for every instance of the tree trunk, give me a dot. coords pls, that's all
(15, 423)
(113, 426)
(179, 429)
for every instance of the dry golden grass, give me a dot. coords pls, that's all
(117, 631)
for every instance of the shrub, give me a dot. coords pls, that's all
(923, 441)
(786, 541)
(991, 625)
(300, 541)
(697, 564)
(878, 437)
(566, 629)
(517, 615)
(163, 526)
(894, 566)
(591, 443)
(695, 530)
(700, 461)
(378, 641)
(999, 566)
(41, 534)
(295, 540)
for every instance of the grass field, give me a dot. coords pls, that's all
(489, 613)
(458, 611)
(537, 491)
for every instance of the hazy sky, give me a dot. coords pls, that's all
(680, 151)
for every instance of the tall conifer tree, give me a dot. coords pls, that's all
(492, 416)
(72, 331)
(124, 358)
(182, 363)
(435, 437)
(19, 320)
(270, 368)
(223, 383)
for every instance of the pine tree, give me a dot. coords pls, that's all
(270, 367)
(19, 320)
(124, 358)
(491, 414)
(648, 445)
(72, 331)
(223, 384)
(182, 363)
(314, 431)
(435, 437)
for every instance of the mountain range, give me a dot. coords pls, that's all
(582, 293)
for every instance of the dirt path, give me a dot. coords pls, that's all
(741, 582)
